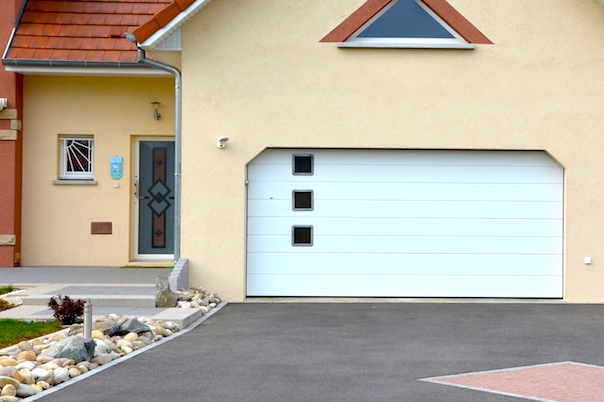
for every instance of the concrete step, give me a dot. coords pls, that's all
(101, 295)
(140, 301)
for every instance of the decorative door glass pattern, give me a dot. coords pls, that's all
(156, 198)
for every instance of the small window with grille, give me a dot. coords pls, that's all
(76, 157)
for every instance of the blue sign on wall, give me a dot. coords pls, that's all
(116, 167)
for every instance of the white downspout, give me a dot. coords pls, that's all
(177, 135)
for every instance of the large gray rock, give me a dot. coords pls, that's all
(74, 347)
(132, 325)
(164, 297)
(108, 327)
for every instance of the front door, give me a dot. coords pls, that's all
(154, 200)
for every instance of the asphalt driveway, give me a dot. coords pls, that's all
(348, 352)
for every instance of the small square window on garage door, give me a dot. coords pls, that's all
(302, 200)
(302, 236)
(303, 165)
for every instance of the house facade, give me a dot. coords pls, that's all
(375, 148)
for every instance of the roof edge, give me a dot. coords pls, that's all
(80, 67)
(70, 63)
(164, 23)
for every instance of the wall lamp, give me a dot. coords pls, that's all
(3, 103)
(221, 142)
(156, 114)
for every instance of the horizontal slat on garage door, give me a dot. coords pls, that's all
(410, 244)
(412, 209)
(412, 174)
(405, 286)
(411, 226)
(409, 157)
(410, 218)
(411, 191)
(405, 264)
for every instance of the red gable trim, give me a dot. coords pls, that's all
(161, 19)
(355, 21)
(441, 7)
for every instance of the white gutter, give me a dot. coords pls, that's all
(107, 71)
(177, 135)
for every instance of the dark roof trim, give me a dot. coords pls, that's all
(71, 63)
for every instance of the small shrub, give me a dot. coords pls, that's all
(66, 309)
(4, 305)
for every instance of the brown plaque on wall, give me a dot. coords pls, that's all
(101, 227)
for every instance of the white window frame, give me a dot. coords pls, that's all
(413, 43)
(64, 172)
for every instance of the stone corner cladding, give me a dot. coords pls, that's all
(30, 367)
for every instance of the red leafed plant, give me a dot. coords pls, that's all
(66, 309)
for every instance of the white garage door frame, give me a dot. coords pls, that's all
(406, 223)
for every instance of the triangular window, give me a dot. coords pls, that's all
(406, 24)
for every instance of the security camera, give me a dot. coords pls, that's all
(222, 142)
(4, 103)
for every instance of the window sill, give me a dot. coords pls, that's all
(418, 45)
(75, 182)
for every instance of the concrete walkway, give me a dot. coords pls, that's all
(366, 352)
(123, 291)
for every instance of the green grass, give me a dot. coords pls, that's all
(7, 289)
(15, 331)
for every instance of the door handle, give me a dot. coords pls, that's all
(142, 197)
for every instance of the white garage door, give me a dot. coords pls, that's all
(404, 224)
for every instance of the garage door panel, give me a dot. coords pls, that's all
(409, 191)
(397, 264)
(409, 227)
(411, 174)
(408, 209)
(407, 224)
(397, 286)
(408, 244)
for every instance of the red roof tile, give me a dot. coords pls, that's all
(91, 30)
(60, 54)
(25, 53)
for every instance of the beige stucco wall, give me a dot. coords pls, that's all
(255, 71)
(57, 218)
